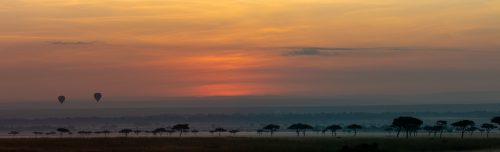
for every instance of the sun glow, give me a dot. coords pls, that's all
(239, 47)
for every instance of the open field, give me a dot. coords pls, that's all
(243, 144)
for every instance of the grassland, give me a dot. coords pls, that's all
(244, 144)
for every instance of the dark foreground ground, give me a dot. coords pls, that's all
(245, 144)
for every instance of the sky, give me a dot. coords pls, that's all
(166, 48)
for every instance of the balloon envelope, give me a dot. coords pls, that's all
(61, 99)
(98, 96)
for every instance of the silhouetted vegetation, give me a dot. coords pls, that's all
(441, 125)
(63, 131)
(355, 128)
(219, 130)
(496, 120)
(408, 124)
(125, 132)
(463, 126)
(333, 129)
(260, 131)
(300, 127)
(13, 133)
(488, 127)
(234, 131)
(271, 128)
(137, 132)
(181, 128)
(159, 131)
(37, 133)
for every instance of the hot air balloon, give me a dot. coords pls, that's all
(61, 99)
(98, 96)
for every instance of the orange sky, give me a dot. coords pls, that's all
(246, 47)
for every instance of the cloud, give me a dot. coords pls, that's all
(73, 42)
(306, 52)
(325, 51)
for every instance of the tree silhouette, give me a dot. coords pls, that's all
(408, 124)
(37, 133)
(355, 128)
(488, 127)
(126, 132)
(429, 129)
(333, 129)
(181, 128)
(63, 131)
(299, 127)
(260, 131)
(13, 133)
(441, 125)
(496, 120)
(50, 133)
(234, 131)
(271, 128)
(159, 131)
(472, 129)
(137, 132)
(106, 133)
(463, 126)
(219, 130)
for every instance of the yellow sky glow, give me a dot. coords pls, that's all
(246, 47)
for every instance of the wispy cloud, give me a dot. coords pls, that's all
(325, 51)
(306, 52)
(72, 42)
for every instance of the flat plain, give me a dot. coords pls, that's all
(246, 144)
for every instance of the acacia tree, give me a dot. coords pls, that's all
(181, 128)
(13, 133)
(260, 131)
(37, 133)
(355, 128)
(234, 131)
(472, 129)
(137, 132)
(300, 127)
(488, 127)
(429, 129)
(271, 128)
(63, 131)
(126, 132)
(159, 131)
(106, 133)
(496, 120)
(463, 126)
(441, 125)
(219, 130)
(408, 124)
(333, 129)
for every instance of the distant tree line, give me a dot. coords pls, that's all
(407, 125)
